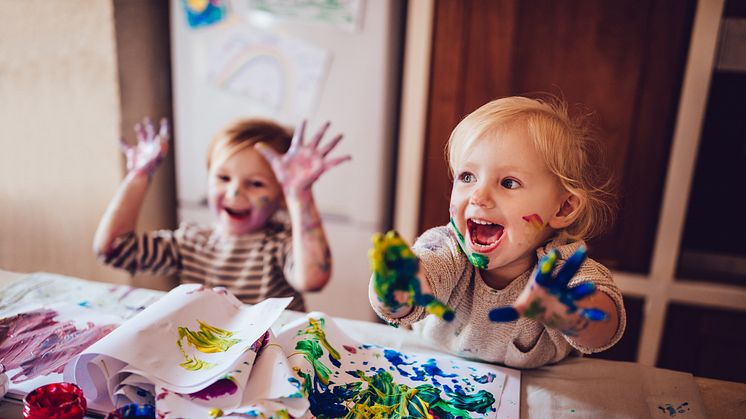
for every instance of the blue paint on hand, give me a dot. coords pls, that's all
(557, 286)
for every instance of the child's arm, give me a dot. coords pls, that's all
(142, 160)
(296, 171)
(587, 315)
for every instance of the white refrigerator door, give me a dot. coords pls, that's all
(359, 96)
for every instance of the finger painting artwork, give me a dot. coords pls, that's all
(209, 339)
(195, 341)
(344, 378)
(39, 343)
(283, 74)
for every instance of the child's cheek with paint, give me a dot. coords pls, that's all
(534, 227)
(262, 209)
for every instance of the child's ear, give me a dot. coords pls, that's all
(567, 213)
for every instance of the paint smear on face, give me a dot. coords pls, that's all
(534, 220)
(40, 345)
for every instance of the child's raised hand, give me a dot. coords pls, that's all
(395, 279)
(302, 164)
(548, 299)
(145, 156)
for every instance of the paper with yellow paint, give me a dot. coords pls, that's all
(185, 342)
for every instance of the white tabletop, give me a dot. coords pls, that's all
(574, 388)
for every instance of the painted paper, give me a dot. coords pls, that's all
(344, 378)
(343, 14)
(186, 342)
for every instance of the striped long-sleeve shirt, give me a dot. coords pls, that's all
(251, 266)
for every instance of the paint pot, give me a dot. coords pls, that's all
(55, 401)
(133, 411)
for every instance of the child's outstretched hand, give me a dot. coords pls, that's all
(302, 164)
(395, 282)
(145, 156)
(548, 299)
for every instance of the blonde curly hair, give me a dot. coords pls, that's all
(568, 146)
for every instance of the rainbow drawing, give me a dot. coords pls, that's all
(261, 72)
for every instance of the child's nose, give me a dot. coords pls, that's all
(233, 191)
(481, 198)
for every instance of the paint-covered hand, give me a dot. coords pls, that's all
(548, 299)
(302, 164)
(145, 156)
(395, 281)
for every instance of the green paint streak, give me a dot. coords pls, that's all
(534, 309)
(479, 260)
(316, 328)
(208, 339)
(312, 351)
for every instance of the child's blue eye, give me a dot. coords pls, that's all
(256, 184)
(509, 183)
(224, 178)
(466, 177)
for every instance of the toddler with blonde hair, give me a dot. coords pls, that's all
(511, 263)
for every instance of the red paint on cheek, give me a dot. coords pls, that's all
(535, 220)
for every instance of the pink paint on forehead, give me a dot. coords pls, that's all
(40, 345)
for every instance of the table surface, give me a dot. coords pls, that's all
(576, 387)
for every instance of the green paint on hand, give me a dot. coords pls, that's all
(395, 268)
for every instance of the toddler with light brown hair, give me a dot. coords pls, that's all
(257, 170)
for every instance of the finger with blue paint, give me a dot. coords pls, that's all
(394, 278)
(549, 299)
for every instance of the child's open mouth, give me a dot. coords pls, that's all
(484, 235)
(237, 214)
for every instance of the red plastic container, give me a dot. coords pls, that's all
(55, 401)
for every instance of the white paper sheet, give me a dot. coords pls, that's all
(155, 347)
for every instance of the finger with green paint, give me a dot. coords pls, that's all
(395, 281)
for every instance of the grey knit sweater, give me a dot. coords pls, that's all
(524, 343)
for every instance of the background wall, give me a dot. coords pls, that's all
(61, 116)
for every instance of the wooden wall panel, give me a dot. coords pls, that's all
(622, 60)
